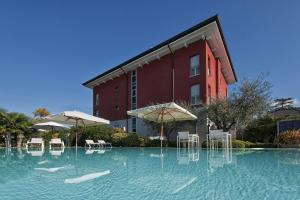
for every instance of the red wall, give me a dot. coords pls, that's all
(212, 77)
(183, 81)
(223, 86)
(112, 94)
(154, 82)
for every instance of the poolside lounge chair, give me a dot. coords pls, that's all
(56, 141)
(35, 141)
(104, 144)
(91, 143)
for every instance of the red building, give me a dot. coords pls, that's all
(193, 66)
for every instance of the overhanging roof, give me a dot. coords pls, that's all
(209, 29)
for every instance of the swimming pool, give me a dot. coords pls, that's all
(134, 173)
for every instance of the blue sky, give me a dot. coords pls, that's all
(49, 48)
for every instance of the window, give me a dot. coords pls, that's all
(133, 124)
(194, 65)
(133, 90)
(97, 100)
(133, 98)
(195, 94)
(97, 113)
(208, 68)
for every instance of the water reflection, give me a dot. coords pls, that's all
(91, 151)
(36, 152)
(150, 173)
(187, 155)
(218, 158)
(58, 151)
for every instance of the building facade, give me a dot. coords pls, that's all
(193, 66)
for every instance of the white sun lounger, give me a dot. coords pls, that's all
(56, 141)
(91, 143)
(38, 141)
(104, 144)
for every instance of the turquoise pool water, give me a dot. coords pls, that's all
(133, 173)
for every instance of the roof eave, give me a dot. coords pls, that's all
(214, 18)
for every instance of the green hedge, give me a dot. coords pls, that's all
(246, 144)
(116, 136)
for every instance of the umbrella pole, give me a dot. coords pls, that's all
(161, 133)
(76, 137)
(76, 134)
(161, 128)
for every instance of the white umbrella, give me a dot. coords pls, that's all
(51, 126)
(162, 113)
(76, 118)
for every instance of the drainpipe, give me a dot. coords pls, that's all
(126, 97)
(173, 72)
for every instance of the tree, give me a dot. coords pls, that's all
(248, 101)
(263, 129)
(41, 112)
(283, 103)
(13, 123)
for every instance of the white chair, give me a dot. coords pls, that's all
(56, 141)
(36, 141)
(91, 143)
(194, 139)
(216, 136)
(190, 139)
(104, 144)
(182, 137)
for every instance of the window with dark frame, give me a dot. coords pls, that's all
(195, 94)
(133, 98)
(194, 65)
(97, 100)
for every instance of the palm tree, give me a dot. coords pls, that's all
(14, 123)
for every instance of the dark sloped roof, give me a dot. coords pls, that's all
(215, 18)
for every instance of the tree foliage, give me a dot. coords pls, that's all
(41, 112)
(283, 103)
(13, 123)
(248, 101)
(263, 129)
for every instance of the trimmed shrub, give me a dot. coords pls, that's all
(117, 138)
(238, 144)
(291, 137)
(131, 140)
(152, 143)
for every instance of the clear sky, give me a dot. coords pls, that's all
(49, 48)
